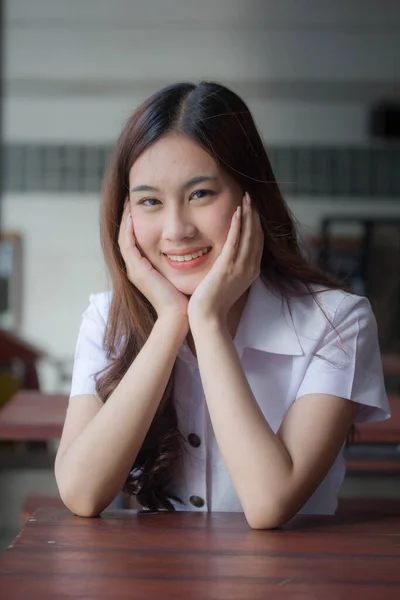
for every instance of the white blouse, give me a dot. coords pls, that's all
(285, 355)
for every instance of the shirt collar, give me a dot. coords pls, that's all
(266, 324)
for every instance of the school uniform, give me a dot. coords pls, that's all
(286, 351)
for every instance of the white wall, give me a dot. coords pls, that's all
(75, 70)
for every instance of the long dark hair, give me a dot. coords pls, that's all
(220, 122)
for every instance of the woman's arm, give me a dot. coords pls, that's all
(99, 443)
(273, 474)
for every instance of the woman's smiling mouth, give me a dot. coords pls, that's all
(188, 259)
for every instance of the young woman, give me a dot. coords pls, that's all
(224, 371)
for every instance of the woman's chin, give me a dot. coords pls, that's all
(187, 284)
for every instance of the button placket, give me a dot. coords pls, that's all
(194, 440)
(197, 501)
(197, 489)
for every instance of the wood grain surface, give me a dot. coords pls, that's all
(188, 555)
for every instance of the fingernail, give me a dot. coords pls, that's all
(238, 212)
(128, 221)
(248, 199)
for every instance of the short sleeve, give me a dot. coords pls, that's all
(347, 361)
(90, 354)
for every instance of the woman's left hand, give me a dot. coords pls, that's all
(235, 269)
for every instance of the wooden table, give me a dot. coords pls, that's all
(32, 415)
(128, 554)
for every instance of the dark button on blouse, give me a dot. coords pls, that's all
(194, 440)
(196, 501)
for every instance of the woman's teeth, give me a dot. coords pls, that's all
(188, 256)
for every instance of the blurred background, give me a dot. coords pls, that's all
(322, 79)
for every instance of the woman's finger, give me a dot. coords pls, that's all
(129, 240)
(122, 225)
(131, 254)
(129, 234)
(247, 233)
(229, 250)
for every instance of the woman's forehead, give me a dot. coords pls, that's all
(172, 157)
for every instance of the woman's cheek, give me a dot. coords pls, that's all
(142, 232)
(220, 227)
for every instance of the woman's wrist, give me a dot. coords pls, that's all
(210, 324)
(173, 323)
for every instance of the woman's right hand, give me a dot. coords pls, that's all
(164, 297)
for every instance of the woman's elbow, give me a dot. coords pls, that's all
(269, 516)
(80, 507)
(79, 504)
(85, 513)
(263, 522)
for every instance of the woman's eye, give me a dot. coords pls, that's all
(201, 194)
(149, 202)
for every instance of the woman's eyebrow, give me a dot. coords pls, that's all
(144, 188)
(200, 179)
(190, 183)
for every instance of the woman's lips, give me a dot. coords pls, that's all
(188, 264)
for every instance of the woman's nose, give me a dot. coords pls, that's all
(178, 225)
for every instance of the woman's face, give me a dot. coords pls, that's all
(181, 203)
